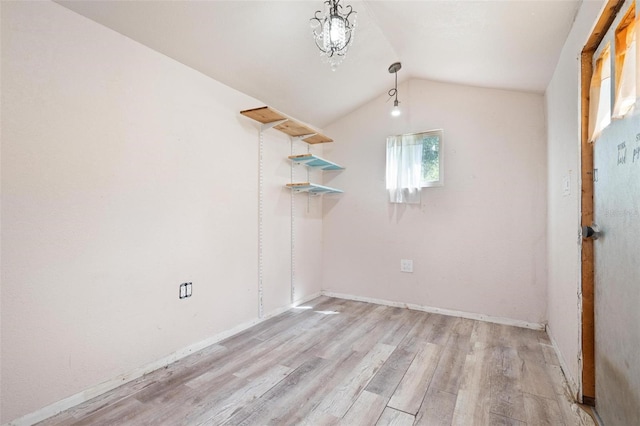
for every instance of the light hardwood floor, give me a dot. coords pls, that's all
(335, 361)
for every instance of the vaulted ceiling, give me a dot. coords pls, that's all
(265, 48)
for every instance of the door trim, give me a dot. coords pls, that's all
(588, 388)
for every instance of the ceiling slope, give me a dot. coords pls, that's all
(265, 48)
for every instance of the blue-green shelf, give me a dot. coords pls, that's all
(314, 161)
(313, 188)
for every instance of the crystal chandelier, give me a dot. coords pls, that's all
(333, 31)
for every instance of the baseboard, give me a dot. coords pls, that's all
(571, 382)
(461, 314)
(90, 393)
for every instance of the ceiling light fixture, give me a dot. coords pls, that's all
(333, 31)
(394, 68)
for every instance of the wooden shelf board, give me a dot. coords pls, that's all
(317, 138)
(313, 188)
(290, 127)
(263, 114)
(314, 161)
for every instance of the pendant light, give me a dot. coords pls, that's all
(393, 93)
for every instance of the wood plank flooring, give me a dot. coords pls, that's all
(340, 362)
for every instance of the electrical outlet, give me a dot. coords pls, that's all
(406, 265)
(186, 290)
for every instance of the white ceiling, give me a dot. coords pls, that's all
(265, 49)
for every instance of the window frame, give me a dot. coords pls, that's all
(440, 134)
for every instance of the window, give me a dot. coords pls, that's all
(432, 173)
(625, 42)
(600, 95)
(414, 161)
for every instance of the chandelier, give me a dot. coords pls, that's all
(333, 31)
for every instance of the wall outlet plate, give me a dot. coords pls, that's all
(406, 265)
(186, 290)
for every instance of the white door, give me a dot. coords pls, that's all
(617, 272)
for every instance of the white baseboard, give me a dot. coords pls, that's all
(92, 392)
(461, 314)
(571, 382)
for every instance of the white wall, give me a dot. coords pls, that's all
(562, 101)
(125, 173)
(478, 243)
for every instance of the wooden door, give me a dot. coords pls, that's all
(611, 264)
(617, 272)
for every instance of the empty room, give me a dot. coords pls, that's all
(355, 212)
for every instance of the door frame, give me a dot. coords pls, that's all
(588, 388)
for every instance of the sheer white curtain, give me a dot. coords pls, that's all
(625, 98)
(600, 95)
(404, 168)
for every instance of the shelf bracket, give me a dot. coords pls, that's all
(267, 126)
(310, 193)
(302, 137)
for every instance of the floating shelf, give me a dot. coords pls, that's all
(314, 161)
(313, 188)
(290, 127)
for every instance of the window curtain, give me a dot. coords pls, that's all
(600, 95)
(404, 169)
(625, 65)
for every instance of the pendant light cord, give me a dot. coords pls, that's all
(394, 92)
